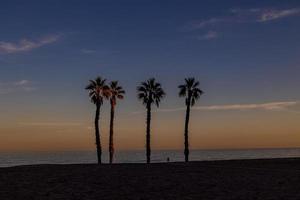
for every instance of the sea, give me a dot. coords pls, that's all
(138, 156)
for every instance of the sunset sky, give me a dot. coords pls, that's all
(246, 55)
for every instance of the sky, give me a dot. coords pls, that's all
(246, 55)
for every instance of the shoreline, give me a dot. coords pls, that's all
(159, 163)
(158, 156)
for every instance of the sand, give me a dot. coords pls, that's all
(241, 179)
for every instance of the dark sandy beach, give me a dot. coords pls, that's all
(241, 179)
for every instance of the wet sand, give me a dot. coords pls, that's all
(240, 179)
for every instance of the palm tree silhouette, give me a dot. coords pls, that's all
(192, 93)
(98, 90)
(116, 92)
(149, 92)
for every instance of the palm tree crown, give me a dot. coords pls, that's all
(116, 92)
(98, 90)
(150, 92)
(190, 90)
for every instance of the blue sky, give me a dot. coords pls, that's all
(243, 52)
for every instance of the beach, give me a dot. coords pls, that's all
(236, 179)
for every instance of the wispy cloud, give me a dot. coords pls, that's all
(271, 106)
(50, 124)
(25, 45)
(88, 51)
(208, 36)
(275, 106)
(17, 86)
(199, 24)
(22, 82)
(268, 15)
(238, 15)
(263, 15)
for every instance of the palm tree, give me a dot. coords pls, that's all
(192, 93)
(150, 92)
(116, 92)
(98, 90)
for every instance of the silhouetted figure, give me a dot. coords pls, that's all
(192, 93)
(116, 92)
(97, 91)
(149, 92)
(168, 159)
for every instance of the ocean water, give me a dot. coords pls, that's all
(77, 157)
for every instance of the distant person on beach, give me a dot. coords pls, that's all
(168, 159)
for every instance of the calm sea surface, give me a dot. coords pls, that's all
(71, 157)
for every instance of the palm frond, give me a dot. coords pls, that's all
(97, 90)
(115, 91)
(196, 84)
(182, 90)
(150, 92)
(190, 90)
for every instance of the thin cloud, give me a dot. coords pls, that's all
(271, 106)
(243, 16)
(25, 45)
(199, 24)
(263, 15)
(88, 51)
(17, 86)
(22, 82)
(269, 15)
(50, 124)
(208, 36)
(275, 106)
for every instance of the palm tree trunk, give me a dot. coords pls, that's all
(97, 133)
(111, 133)
(186, 130)
(148, 147)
